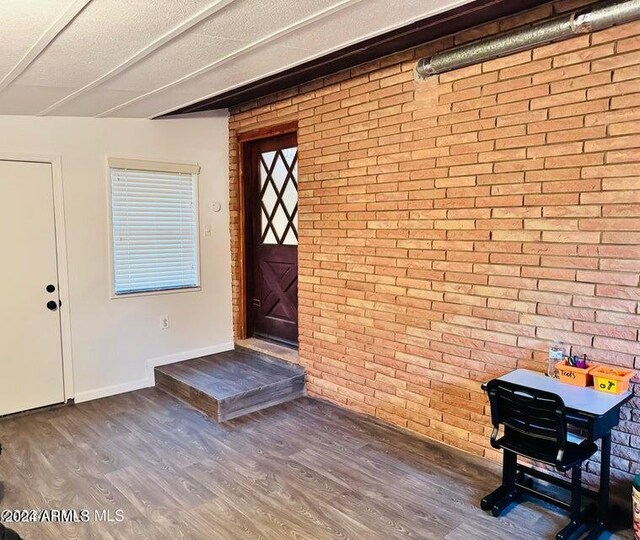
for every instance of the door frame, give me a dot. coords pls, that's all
(244, 139)
(61, 252)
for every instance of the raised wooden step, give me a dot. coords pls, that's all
(231, 384)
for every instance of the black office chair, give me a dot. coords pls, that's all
(8, 534)
(534, 425)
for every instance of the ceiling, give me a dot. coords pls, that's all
(143, 58)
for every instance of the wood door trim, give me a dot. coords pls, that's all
(243, 140)
(268, 131)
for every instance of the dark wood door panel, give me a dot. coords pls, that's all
(278, 289)
(271, 240)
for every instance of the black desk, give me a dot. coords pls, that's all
(596, 412)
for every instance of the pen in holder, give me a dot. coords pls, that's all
(575, 370)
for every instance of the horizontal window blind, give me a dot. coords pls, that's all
(155, 243)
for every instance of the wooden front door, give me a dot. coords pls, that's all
(271, 211)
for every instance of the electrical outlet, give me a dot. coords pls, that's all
(164, 322)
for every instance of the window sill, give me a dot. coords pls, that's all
(115, 296)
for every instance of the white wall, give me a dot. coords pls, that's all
(114, 340)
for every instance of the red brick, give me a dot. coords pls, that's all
(611, 224)
(561, 73)
(589, 53)
(555, 49)
(507, 61)
(608, 277)
(607, 304)
(616, 61)
(623, 74)
(607, 330)
(618, 345)
(554, 125)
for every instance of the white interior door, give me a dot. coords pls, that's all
(30, 339)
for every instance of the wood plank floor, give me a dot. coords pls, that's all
(304, 470)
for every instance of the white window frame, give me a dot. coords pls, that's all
(155, 166)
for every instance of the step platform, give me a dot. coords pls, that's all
(231, 384)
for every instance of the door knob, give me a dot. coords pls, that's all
(52, 305)
(51, 288)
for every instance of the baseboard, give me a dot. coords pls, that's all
(107, 391)
(149, 380)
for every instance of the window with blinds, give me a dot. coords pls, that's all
(154, 226)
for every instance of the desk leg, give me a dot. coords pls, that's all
(507, 492)
(603, 495)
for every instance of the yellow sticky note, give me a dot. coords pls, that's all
(608, 385)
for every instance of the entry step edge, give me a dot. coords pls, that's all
(268, 350)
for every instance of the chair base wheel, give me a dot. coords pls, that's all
(501, 504)
(569, 530)
(596, 532)
(487, 502)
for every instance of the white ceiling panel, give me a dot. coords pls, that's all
(213, 81)
(362, 20)
(23, 22)
(93, 103)
(233, 28)
(103, 36)
(143, 57)
(194, 51)
(149, 106)
(252, 20)
(251, 66)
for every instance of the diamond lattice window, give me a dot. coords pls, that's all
(279, 196)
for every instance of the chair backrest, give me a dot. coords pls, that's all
(536, 416)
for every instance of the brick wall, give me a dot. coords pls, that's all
(450, 229)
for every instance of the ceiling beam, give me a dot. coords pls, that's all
(415, 34)
(144, 52)
(49, 35)
(244, 50)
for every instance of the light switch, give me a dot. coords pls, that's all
(207, 230)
